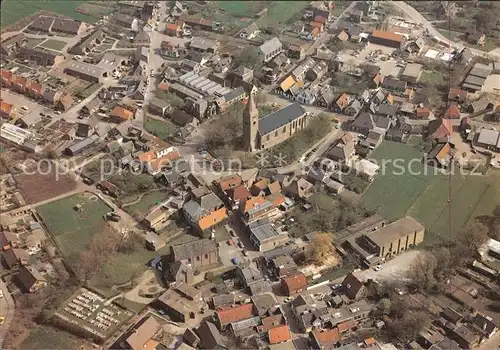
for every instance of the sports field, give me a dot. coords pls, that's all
(15, 10)
(281, 12)
(74, 229)
(52, 44)
(424, 195)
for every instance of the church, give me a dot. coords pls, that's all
(272, 129)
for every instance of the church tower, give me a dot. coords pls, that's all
(250, 125)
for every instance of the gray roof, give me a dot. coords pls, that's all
(279, 118)
(474, 80)
(210, 201)
(210, 336)
(394, 83)
(42, 23)
(202, 44)
(262, 229)
(488, 137)
(260, 287)
(395, 230)
(80, 145)
(250, 274)
(364, 120)
(387, 109)
(66, 25)
(270, 46)
(193, 249)
(382, 122)
(480, 70)
(252, 28)
(85, 68)
(159, 103)
(235, 93)
(193, 209)
(412, 70)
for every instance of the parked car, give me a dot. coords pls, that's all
(229, 242)
(377, 268)
(245, 253)
(240, 244)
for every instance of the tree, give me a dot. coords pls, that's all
(249, 57)
(172, 99)
(421, 272)
(322, 248)
(384, 306)
(486, 20)
(474, 237)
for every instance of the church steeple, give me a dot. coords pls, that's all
(250, 124)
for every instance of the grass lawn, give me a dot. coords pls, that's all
(450, 34)
(424, 196)
(432, 77)
(243, 8)
(15, 10)
(73, 229)
(52, 44)
(122, 268)
(147, 202)
(160, 128)
(280, 12)
(46, 337)
(340, 6)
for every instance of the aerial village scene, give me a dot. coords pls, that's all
(250, 175)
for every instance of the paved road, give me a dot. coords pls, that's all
(394, 269)
(7, 309)
(417, 17)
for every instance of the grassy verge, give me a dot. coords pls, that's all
(147, 202)
(46, 337)
(56, 45)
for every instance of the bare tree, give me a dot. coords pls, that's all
(422, 271)
(322, 248)
(474, 237)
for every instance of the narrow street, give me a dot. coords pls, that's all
(7, 309)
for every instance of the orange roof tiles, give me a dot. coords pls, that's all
(122, 113)
(252, 203)
(228, 182)
(235, 314)
(163, 86)
(387, 35)
(287, 83)
(172, 26)
(343, 101)
(274, 187)
(347, 325)
(295, 282)
(35, 87)
(240, 193)
(423, 112)
(279, 334)
(370, 341)
(147, 156)
(328, 337)
(315, 32)
(6, 108)
(390, 99)
(457, 94)
(315, 24)
(212, 219)
(443, 152)
(276, 199)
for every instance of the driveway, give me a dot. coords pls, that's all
(394, 269)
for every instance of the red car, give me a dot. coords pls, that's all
(229, 242)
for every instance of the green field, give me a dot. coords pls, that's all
(15, 10)
(281, 12)
(147, 202)
(73, 229)
(46, 337)
(424, 195)
(432, 77)
(52, 44)
(160, 128)
(243, 8)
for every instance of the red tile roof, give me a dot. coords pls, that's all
(423, 112)
(228, 182)
(279, 334)
(172, 26)
(347, 325)
(295, 282)
(235, 314)
(452, 113)
(329, 337)
(6, 74)
(240, 193)
(387, 35)
(122, 113)
(6, 108)
(457, 94)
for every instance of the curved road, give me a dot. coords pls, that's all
(417, 17)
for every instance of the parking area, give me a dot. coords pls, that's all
(386, 67)
(34, 109)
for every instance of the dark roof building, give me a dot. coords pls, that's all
(279, 118)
